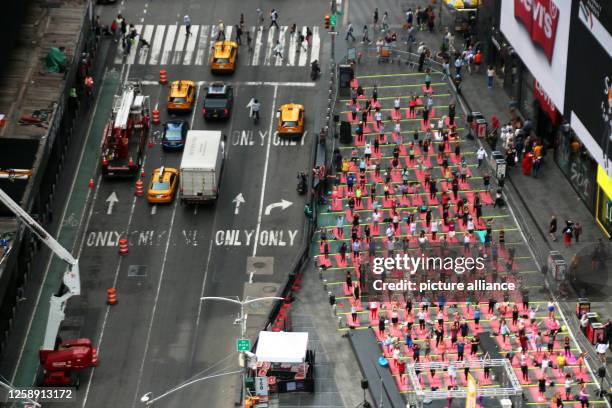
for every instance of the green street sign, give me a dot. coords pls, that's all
(243, 345)
(332, 20)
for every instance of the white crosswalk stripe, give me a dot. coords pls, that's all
(303, 52)
(170, 45)
(202, 46)
(257, 48)
(291, 53)
(144, 51)
(270, 45)
(158, 42)
(191, 45)
(180, 45)
(316, 44)
(281, 39)
(253, 33)
(228, 32)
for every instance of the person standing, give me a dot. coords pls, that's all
(458, 65)
(238, 34)
(187, 22)
(577, 231)
(249, 41)
(568, 232)
(375, 19)
(490, 76)
(349, 32)
(260, 18)
(477, 61)
(481, 154)
(365, 36)
(273, 18)
(552, 228)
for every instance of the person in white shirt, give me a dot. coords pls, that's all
(434, 229)
(397, 104)
(397, 128)
(278, 50)
(601, 348)
(367, 151)
(389, 231)
(470, 225)
(378, 117)
(413, 228)
(480, 155)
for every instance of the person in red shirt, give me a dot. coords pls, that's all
(477, 61)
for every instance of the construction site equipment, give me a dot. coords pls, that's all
(61, 360)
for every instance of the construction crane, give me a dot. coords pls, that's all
(60, 360)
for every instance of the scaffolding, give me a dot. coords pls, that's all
(509, 385)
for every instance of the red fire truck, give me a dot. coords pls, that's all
(126, 132)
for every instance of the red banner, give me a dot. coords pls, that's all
(540, 18)
(545, 102)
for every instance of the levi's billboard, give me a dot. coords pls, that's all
(538, 30)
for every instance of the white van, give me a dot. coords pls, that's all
(201, 166)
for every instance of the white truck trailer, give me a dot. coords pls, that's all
(201, 166)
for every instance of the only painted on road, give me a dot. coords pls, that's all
(271, 237)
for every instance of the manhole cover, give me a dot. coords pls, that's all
(269, 289)
(260, 265)
(149, 77)
(135, 271)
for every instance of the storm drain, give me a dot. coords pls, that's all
(137, 271)
(260, 265)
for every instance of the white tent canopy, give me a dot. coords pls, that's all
(282, 347)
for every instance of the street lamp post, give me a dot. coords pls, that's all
(242, 319)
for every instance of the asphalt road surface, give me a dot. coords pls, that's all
(160, 334)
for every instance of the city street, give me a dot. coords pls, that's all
(160, 333)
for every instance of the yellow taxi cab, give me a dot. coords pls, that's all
(162, 186)
(181, 96)
(290, 119)
(223, 58)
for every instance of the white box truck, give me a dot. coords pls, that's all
(201, 166)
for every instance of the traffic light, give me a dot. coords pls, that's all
(332, 21)
(327, 22)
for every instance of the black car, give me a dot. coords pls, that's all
(218, 101)
(175, 133)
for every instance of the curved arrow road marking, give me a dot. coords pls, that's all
(283, 204)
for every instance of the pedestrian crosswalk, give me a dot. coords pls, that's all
(162, 44)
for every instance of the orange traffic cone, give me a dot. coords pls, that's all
(139, 188)
(91, 183)
(142, 173)
(111, 296)
(123, 246)
(156, 120)
(163, 79)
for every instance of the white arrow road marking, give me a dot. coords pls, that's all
(283, 204)
(111, 200)
(238, 200)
